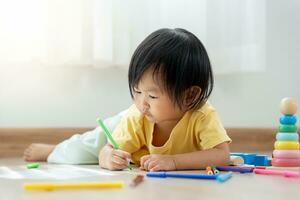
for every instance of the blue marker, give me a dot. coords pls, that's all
(236, 169)
(224, 177)
(180, 175)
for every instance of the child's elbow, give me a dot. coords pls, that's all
(226, 158)
(224, 153)
(223, 158)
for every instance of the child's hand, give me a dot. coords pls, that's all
(113, 159)
(156, 162)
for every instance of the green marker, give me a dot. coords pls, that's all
(109, 137)
(33, 165)
(107, 134)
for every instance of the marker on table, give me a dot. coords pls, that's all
(33, 165)
(180, 175)
(235, 169)
(87, 185)
(109, 137)
(277, 172)
(224, 177)
(220, 178)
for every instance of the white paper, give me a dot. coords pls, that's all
(58, 172)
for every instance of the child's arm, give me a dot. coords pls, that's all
(219, 155)
(113, 159)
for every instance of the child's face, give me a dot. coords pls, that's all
(153, 102)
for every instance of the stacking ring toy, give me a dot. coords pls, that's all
(286, 145)
(287, 128)
(288, 119)
(285, 162)
(287, 136)
(286, 154)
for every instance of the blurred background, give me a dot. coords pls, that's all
(64, 62)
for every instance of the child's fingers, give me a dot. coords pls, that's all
(155, 168)
(146, 163)
(143, 159)
(141, 168)
(117, 163)
(122, 154)
(116, 166)
(119, 160)
(152, 164)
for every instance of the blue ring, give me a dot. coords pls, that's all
(288, 119)
(287, 136)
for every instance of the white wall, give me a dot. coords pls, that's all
(253, 99)
(74, 97)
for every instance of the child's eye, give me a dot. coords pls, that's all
(152, 97)
(137, 92)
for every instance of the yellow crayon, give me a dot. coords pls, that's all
(85, 185)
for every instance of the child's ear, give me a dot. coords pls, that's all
(191, 95)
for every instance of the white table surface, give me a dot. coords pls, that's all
(240, 186)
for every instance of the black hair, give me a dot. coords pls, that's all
(181, 61)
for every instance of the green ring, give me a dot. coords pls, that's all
(287, 128)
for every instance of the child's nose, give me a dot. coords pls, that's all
(145, 105)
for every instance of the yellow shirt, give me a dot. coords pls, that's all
(197, 130)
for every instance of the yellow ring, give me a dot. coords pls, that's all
(286, 145)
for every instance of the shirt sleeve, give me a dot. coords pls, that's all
(129, 133)
(211, 131)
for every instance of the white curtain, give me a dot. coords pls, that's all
(46, 33)
(104, 33)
